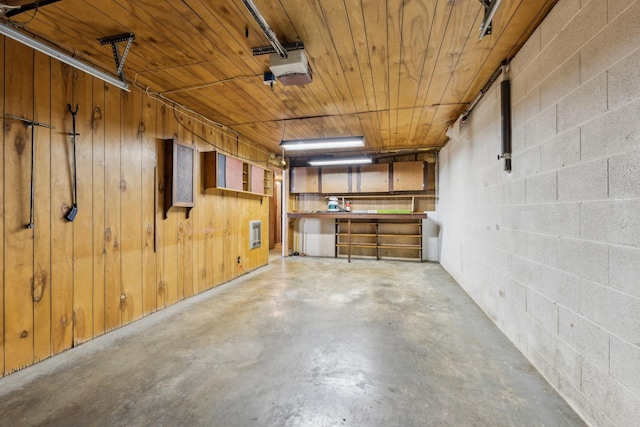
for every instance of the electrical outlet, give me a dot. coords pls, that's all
(238, 260)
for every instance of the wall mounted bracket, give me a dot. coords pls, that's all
(32, 124)
(113, 41)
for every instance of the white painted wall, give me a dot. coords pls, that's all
(551, 252)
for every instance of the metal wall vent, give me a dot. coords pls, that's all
(255, 234)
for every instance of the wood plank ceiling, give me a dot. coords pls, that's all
(398, 72)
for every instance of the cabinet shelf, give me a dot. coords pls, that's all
(378, 238)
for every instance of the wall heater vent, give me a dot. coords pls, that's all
(255, 234)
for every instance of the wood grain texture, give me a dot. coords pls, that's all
(97, 122)
(2, 192)
(385, 63)
(42, 212)
(83, 223)
(61, 201)
(18, 252)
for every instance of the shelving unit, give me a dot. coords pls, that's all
(225, 172)
(379, 238)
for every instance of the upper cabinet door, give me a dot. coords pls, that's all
(305, 180)
(374, 178)
(336, 179)
(409, 176)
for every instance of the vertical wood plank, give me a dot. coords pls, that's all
(161, 296)
(18, 238)
(170, 263)
(42, 213)
(2, 269)
(150, 247)
(131, 213)
(185, 227)
(98, 183)
(83, 223)
(61, 201)
(201, 231)
(113, 266)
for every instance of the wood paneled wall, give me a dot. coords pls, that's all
(63, 283)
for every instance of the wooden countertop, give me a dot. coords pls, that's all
(351, 215)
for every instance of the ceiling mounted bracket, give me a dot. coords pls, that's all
(490, 8)
(265, 50)
(113, 41)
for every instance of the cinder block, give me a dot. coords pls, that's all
(518, 142)
(561, 219)
(616, 132)
(561, 151)
(526, 109)
(624, 80)
(543, 248)
(618, 404)
(542, 127)
(588, 260)
(523, 59)
(583, 104)
(624, 176)
(589, 20)
(541, 188)
(624, 272)
(616, 7)
(587, 338)
(586, 181)
(516, 293)
(543, 310)
(614, 311)
(562, 82)
(526, 163)
(557, 19)
(514, 192)
(616, 221)
(525, 272)
(560, 287)
(625, 364)
(613, 43)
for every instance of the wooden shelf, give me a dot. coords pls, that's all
(355, 230)
(225, 172)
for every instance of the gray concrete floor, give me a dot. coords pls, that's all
(301, 342)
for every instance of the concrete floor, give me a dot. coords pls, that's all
(301, 342)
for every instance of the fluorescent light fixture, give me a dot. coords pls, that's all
(62, 57)
(323, 143)
(341, 161)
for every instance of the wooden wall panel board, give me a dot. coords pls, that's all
(150, 244)
(201, 232)
(42, 210)
(83, 222)
(18, 310)
(185, 226)
(170, 279)
(61, 201)
(99, 205)
(131, 206)
(2, 266)
(161, 296)
(113, 204)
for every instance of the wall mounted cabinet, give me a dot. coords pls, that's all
(226, 172)
(179, 178)
(375, 178)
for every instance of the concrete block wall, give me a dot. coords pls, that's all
(551, 252)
